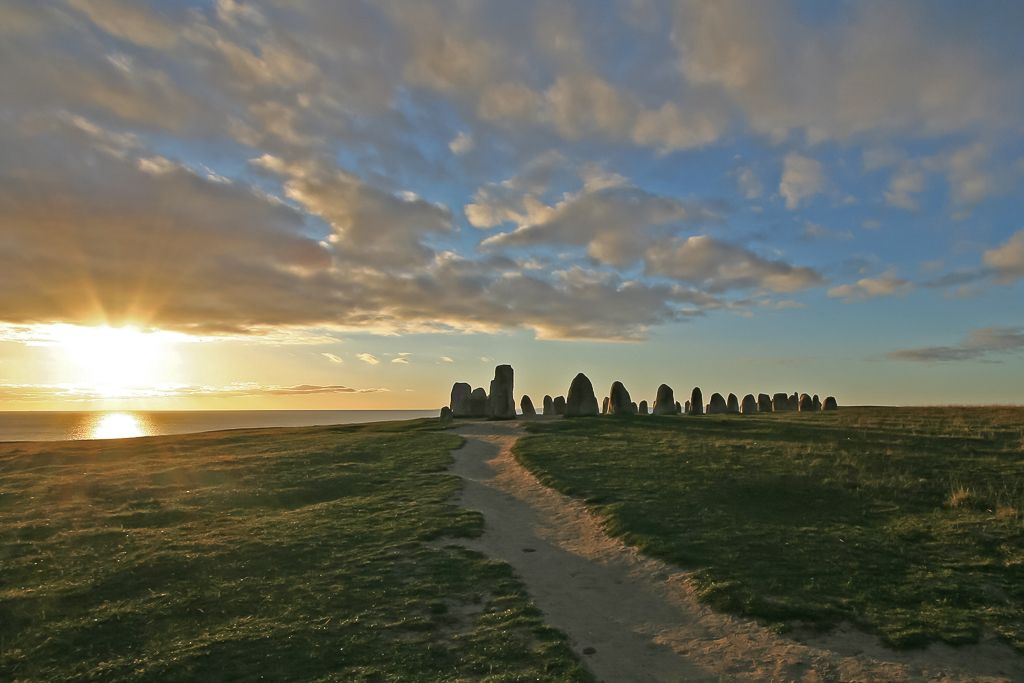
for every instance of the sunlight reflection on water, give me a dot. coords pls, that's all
(113, 426)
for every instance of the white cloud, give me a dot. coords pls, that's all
(400, 360)
(368, 358)
(886, 284)
(813, 231)
(446, 359)
(802, 177)
(748, 183)
(462, 143)
(906, 181)
(331, 357)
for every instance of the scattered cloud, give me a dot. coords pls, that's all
(462, 143)
(908, 180)
(749, 185)
(399, 360)
(331, 357)
(446, 359)
(871, 224)
(1007, 260)
(81, 392)
(980, 344)
(368, 358)
(813, 231)
(886, 284)
(802, 178)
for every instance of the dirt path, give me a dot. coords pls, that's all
(641, 616)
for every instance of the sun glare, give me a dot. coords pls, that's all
(116, 356)
(117, 426)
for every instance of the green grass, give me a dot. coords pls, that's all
(905, 521)
(291, 554)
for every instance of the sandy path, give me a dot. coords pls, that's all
(640, 615)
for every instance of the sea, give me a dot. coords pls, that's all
(121, 424)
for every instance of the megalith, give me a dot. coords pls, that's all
(733, 403)
(717, 405)
(581, 399)
(830, 404)
(686, 408)
(642, 408)
(619, 402)
(478, 403)
(665, 402)
(696, 402)
(794, 401)
(559, 404)
(459, 404)
(526, 405)
(549, 406)
(806, 403)
(764, 403)
(749, 405)
(604, 406)
(446, 415)
(780, 402)
(501, 404)
(817, 402)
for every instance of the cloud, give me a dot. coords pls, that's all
(802, 177)
(718, 267)
(979, 344)
(871, 224)
(906, 181)
(1007, 260)
(886, 284)
(130, 21)
(82, 393)
(331, 357)
(400, 360)
(368, 358)
(462, 143)
(749, 185)
(446, 359)
(813, 231)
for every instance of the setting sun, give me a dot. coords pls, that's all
(116, 356)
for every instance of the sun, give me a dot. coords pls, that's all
(116, 356)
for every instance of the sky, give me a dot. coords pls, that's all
(312, 204)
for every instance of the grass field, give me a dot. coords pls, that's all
(288, 554)
(905, 521)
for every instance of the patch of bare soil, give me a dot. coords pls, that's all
(632, 618)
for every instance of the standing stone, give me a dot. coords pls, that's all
(604, 406)
(817, 402)
(696, 402)
(526, 405)
(764, 403)
(733, 404)
(446, 415)
(830, 404)
(780, 402)
(619, 402)
(581, 399)
(549, 406)
(460, 399)
(686, 408)
(501, 402)
(559, 405)
(665, 402)
(642, 408)
(806, 403)
(717, 405)
(749, 405)
(478, 403)
(634, 409)
(794, 401)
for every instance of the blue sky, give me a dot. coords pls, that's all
(313, 204)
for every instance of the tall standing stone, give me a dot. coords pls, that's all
(696, 402)
(717, 405)
(780, 402)
(459, 404)
(446, 415)
(559, 404)
(549, 406)
(764, 403)
(830, 404)
(526, 405)
(501, 402)
(642, 408)
(806, 403)
(749, 405)
(581, 399)
(619, 402)
(604, 406)
(817, 402)
(733, 403)
(665, 402)
(794, 401)
(685, 409)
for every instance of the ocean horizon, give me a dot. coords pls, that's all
(45, 425)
